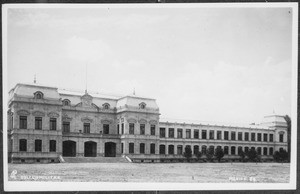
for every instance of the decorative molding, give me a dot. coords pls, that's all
(131, 120)
(53, 114)
(106, 121)
(66, 118)
(143, 121)
(281, 132)
(142, 105)
(38, 93)
(106, 106)
(153, 122)
(68, 102)
(38, 114)
(86, 120)
(122, 119)
(23, 112)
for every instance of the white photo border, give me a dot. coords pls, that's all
(111, 186)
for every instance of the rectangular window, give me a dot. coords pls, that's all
(23, 145)
(259, 137)
(122, 126)
(52, 123)
(203, 134)
(188, 134)
(271, 137)
(226, 135)
(152, 148)
(280, 137)
(179, 150)
(66, 127)
(142, 148)
(142, 129)
(270, 151)
(131, 148)
(179, 133)
(106, 128)
(246, 136)
(122, 148)
(252, 136)
(211, 134)
(86, 127)
(240, 136)
(219, 134)
(52, 146)
(38, 145)
(232, 135)
(23, 122)
(131, 128)
(162, 132)
(171, 132)
(196, 134)
(265, 137)
(152, 128)
(38, 123)
(118, 129)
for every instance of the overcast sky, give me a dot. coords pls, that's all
(207, 64)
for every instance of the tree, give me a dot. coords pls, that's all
(242, 155)
(289, 126)
(252, 155)
(280, 156)
(187, 152)
(210, 154)
(198, 155)
(219, 153)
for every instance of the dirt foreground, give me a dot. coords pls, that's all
(152, 172)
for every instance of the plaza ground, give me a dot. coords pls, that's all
(155, 172)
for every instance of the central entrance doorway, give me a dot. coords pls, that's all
(110, 149)
(69, 148)
(90, 149)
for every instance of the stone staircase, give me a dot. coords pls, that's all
(95, 160)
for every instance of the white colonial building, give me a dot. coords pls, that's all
(46, 122)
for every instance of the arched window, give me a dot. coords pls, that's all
(162, 149)
(171, 149)
(38, 95)
(203, 149)
(66, 102)
(142, 105)
(226, 148)
(196, 149)
(240, 149)
(106, 106)
(232, 150)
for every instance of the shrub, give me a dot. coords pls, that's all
(252, 155)
(280, 156)
(210, 155)
(219, 153)
(187, 153)
(198, 155)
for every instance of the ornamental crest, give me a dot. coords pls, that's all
(53, 114)
(143, 121)
(38, 114)
(86, 120)
(23, 112)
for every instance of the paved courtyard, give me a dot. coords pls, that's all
(160, 172)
